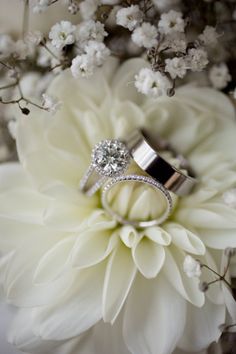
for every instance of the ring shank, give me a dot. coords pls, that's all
(141, 179)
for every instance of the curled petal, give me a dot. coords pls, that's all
(187, 287)
(120, 274)
(149, 257)
(92, 247)
(185, 239)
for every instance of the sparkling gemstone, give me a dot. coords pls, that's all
(110, 157)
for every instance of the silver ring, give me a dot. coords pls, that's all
(144, 151)
(142, 179)
(110, 158)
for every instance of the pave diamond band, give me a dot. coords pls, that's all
(110, 158)
(141, 179)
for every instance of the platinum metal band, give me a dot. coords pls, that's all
(144, 151)
(141, 179)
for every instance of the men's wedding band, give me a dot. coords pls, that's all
(144, 151)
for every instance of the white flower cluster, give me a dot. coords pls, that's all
(157, 30)
(87, 38)
(150, 83)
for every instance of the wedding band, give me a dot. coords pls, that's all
(141, 179)
(144, 151)
(110, 158)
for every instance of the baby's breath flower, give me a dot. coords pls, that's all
(229, 198)
(175, 42)
(171, 21)
(95, 55)
(90, 30)
(62, 34)
(45, 58)
(34, 37)
(41, 6)
(219, 76)
(209, 36)
(176, 67)
(150, 83)
(145, 35)
(197, 59)
(6, 45)
(97, 51)
(22, 49)
(129, 17)
(192, 267)
(50, 103)
(88, 8)
(82, 65)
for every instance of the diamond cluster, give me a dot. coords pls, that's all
(110, 158)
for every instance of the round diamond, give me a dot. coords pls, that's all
(110, 157)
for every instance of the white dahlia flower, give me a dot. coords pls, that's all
(84, 284)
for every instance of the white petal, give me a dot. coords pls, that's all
(229, 302)
(92, 247)
(187, 287)
(218, 238)
(128, 235)
(149, 257)
(66, 215)
(123, 86)
(80, 308)
(202, 326)
(185, 239)
(54, 261)
(12, 175)
(209, 216)
(120, 274)
(22, 204)
(158, 235)
(154, 317)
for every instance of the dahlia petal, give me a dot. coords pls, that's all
(125, 115)
(128, 235)
(54, 261)
(22, 204)
(214, 101)
(92, 247)
(218, 238)
(108, 338)
(6, 314)
(229, 302)
(12, 175)
(65, 215)
(158, 235)
(210, 216)
(46, 165)
(149, 257)
(21, 290)
(123, 76)
(187, 287)
(21, 335)
(95, 87)
(76, 312)
(185, 239)
(202, 326)
(120, 274)
(154, 317)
